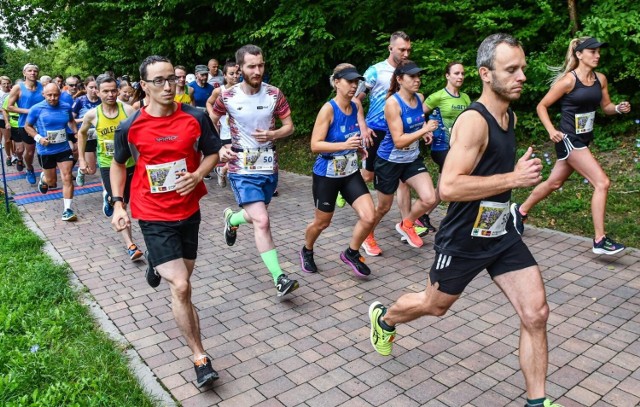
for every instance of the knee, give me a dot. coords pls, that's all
(536, 318)
(603, 184)
(181, 290)
(367, 176)
(67, 177)
(321, 224)
(428, 202)
(261, 221)
(383, 208)
(555, 184)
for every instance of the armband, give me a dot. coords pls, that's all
(618, 110)
(37, 138)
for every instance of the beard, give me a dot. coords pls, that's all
(502, 91)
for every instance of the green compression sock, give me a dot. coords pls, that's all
(237, 218)
(270, 259)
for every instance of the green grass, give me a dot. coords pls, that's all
(567, 210)
(51, 351)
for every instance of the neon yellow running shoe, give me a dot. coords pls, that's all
(340, 201)
(548, 403)
(381, 340)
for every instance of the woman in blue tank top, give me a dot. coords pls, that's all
(398, 155)
(580, 90)
(337, 139)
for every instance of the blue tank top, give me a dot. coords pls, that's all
(27, 99)
(342, 127)
(412, 121)
(201, 94)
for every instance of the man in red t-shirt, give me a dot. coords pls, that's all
(168, 141)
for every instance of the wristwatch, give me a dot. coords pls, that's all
(115, 199)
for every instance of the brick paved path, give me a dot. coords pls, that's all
(314, 350)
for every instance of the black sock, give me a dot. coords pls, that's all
(536, 402)
(351, 252)
(304, 249)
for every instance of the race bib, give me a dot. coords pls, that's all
(342, 165)
(411, 147)
(163, 177)
(491, 220)
(57, 136)
(91, 134)
(108, 147)
(584, 122)
(257, 159)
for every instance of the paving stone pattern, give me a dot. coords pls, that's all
(313, 348)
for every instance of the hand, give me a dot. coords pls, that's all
(432, 125)
(624, 107)
(428, 137)
(556, 136)
(187, 181)
(262, 135)
(44, 141)
(82, 165)
(368, 136)
(527, 170)
(353, 143)
(120, 220)
(226, 154)
(364, 154)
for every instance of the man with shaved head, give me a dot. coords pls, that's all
(47, 123)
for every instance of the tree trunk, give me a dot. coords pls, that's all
(573, 16)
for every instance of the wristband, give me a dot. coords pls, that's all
(115, 199)
(37, 138)
(617, 110)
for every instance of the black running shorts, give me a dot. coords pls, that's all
(325, 190)
(106, 181)
(372, 152)
(48, 162)
(388, 175)
(168, 241)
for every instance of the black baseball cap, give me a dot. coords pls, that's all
(348, 74)
(408, 69)
(590, 43)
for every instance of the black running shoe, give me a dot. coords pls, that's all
(153, 278)
(356, 263)
(426, 223)
(517, 218)
(230, 232)
(307, 263)
(607, 246)
(285, 285)
(204, 372)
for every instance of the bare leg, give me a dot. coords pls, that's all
(559, 174)
(404, 200)
(67, 181)
(415, 305)
(29, 152)
(321, 221)
(423, 185)
(256, 213)
(366, 216)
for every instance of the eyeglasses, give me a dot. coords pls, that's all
(161, 81)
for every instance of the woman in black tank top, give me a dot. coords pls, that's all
(580, 89)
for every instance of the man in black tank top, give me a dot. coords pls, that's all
(476, 234)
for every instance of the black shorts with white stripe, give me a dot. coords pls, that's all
(453, 274)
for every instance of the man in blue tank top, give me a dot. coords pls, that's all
(201, 88)
(476, 234)
(21, 98)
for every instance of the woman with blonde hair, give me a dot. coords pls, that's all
(580, 90)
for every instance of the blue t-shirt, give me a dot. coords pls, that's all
(51, 122)
(66, 97)
(27, 99)
(201, 94)
(378, 80)
(82, 105)
(342, 127)
(412, 121)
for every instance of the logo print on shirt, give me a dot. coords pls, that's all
(166, 138)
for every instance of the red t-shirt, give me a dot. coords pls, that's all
(162, 146)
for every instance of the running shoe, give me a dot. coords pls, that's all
(42, 186)
(307, 263)
(31, 177)
(207, 177)
(230, 232)
(222, 178)
(80, 179)
(107, 207)
(517, 218)
(425, 222)
(410, 234)
(547, 403)
(356, 263)
(204, 372)
(134, 252)
(420, 231)
(370, 246)
(285, 285)
(69, 216)
(19, 165)
(14, 160)
(152, 276)
(340, 201)
(275, 193)
(381, 340)
(607, 246)
(9, 162)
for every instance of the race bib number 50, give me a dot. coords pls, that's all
(258, 159)
(163, 177)
(491, 220)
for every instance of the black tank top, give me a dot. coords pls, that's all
(482, 229)
(578, 109)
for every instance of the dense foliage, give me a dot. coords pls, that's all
(304, 40)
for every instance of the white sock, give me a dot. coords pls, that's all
(67, 203)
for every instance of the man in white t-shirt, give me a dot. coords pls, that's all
(252, 107)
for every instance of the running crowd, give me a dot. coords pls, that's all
(156, 140)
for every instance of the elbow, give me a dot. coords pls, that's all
(446, 191)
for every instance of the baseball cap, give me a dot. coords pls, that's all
(348, 74)
(590, 43)
(201, 69)
(408, 69)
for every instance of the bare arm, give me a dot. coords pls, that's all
(117, 175)
(557, 91)
(212, 100)
(285, 130)
(83, 135)
(608, 107)
(367, 133)
(469, 140)
(392, 114)
(13, 97)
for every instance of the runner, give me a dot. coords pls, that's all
(215, 76)
(337, 140)
(103, 120)
(167, 140)
(231, 74)
(201, 89)
(252, 107)
(79, 108)
(376, 84)
(476, 233)
(51, 118)
(398, 157)
(184, 93)
(444, 105)
(5, 122)
(70, 91)
(126, 93)
(580, 90)
(21, 98)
